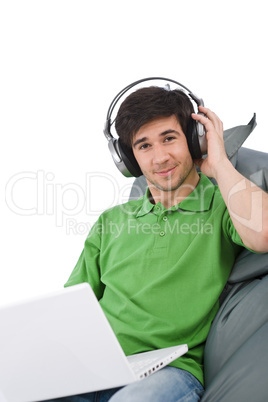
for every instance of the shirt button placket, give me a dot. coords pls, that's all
(163, 231)
(161, 243)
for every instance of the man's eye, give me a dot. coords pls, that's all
(144, 146)
(169, 138)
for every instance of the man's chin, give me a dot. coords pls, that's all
(166, 187)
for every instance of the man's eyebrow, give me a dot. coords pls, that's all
(169, 132)
(144, 139)
(140, 140)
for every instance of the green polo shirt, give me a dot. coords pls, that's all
(158, 273)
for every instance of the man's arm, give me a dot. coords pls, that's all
(247, 204)
(87, 268)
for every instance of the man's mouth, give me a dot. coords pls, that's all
(167, 172)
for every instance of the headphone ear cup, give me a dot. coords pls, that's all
(193, 139)
(129, 160)
(201, 135)
(122, 155)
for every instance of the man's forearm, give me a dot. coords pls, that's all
(247, 205)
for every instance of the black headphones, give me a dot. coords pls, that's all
(123, 156)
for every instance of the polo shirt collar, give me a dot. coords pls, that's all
(146, 206)
(198, 201)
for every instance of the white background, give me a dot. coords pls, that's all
(62, 62)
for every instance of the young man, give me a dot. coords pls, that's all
(159, 264)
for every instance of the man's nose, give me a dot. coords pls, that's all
(160, 154)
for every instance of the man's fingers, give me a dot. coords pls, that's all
(210, 120)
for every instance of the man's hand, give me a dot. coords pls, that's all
(216, 151)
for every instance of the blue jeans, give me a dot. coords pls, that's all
(169, 384)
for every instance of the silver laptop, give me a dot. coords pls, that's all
(62, 344)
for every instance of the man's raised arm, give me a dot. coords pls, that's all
(247, 203)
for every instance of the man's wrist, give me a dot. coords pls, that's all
(222, 170)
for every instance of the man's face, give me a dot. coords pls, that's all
(161, 150)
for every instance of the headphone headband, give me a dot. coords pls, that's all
(124, 158)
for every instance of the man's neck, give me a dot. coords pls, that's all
(169, 198)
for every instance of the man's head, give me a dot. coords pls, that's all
(153, 123)
(147, 104)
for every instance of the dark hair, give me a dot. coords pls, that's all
(147, 104)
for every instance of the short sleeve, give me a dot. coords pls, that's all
(87, 268)
(231, 232)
